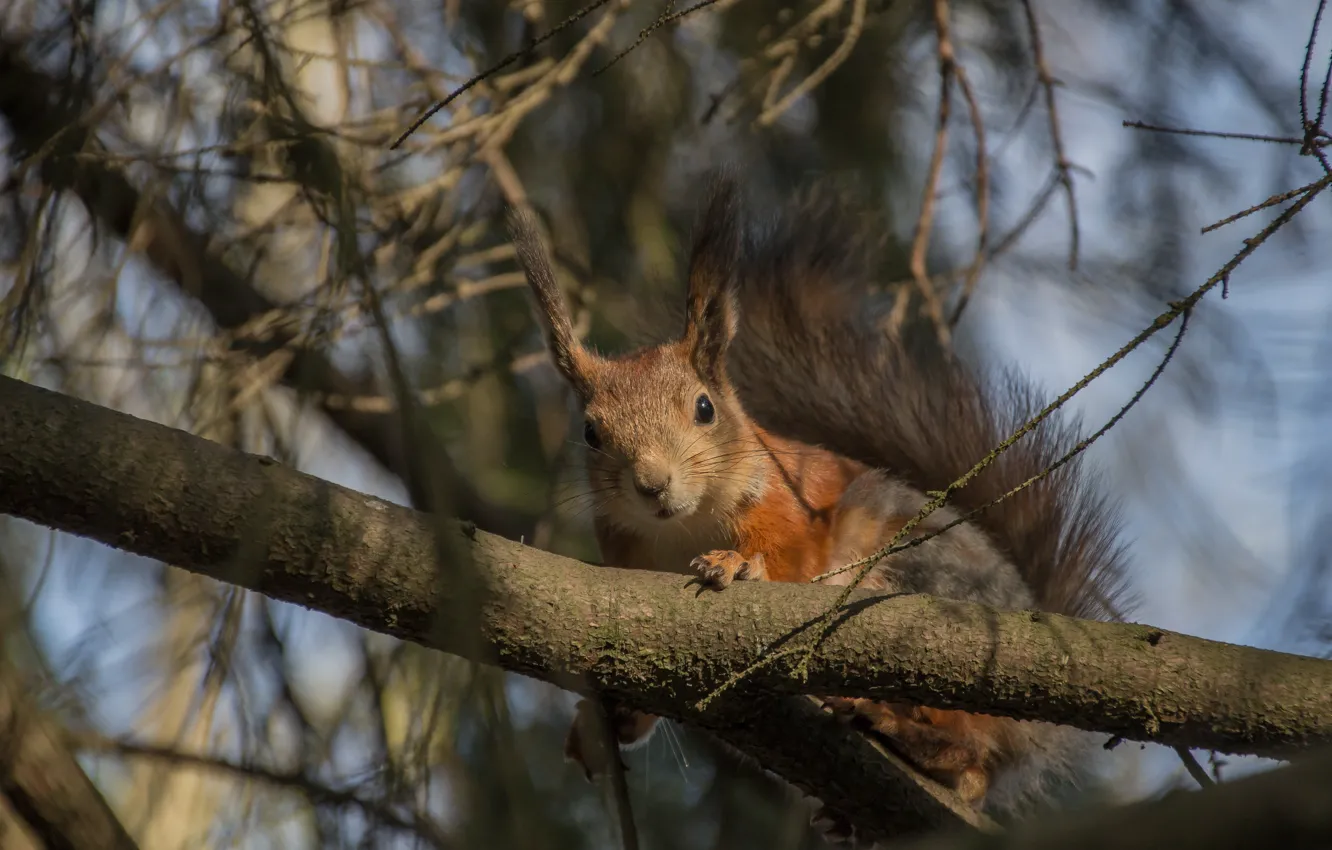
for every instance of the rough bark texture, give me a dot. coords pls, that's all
(44, 784)
(157, 491)
(643, 637)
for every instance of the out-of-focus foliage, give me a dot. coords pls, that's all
(201, 219)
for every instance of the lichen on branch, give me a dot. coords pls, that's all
(641, 637)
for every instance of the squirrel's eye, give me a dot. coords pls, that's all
(590, 436)
(703, 410)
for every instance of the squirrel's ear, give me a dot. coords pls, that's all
(571, 359)
(713, 266)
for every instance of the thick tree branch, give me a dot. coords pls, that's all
(158, 491)
(47, 117)
(44, 783)
(643, 637)
(1288, 807)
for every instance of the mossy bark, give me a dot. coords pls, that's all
(644, 638)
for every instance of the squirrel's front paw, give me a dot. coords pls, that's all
(716, 570)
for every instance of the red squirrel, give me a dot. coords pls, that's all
(787, 433)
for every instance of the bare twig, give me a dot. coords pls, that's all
(982, 196)
(1258, 207)
(497, 67)
(1214, 134)
(1081, 446)
(1062, 165)
(1314, 134)
(925, 220)
(665, 18)
(1191, 765)
(624, 809)
(834, 61)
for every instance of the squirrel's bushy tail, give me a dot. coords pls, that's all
(814, 360)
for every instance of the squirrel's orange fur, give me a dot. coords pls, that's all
(685, 480)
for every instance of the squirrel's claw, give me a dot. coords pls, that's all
(717, 569)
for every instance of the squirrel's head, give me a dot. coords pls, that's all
(667, 438)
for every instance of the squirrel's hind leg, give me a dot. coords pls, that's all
(953, 748)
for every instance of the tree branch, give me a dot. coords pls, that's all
(1288, 807)
(643, 637)
(158, 491)
(44, 783)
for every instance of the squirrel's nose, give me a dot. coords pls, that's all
(651, 487)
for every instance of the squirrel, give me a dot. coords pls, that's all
(787, 433)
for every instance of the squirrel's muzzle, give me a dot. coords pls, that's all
(651, 486)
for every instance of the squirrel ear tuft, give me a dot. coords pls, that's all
(713, 266)
(571, 359)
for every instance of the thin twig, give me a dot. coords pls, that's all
(1314, 134)
(619, 784)
(1056, 137)
(498, 66)
(1327, 83)
(1191, 765)
(1029, 217)
(1272, 201)
(666, 17)
(1308, 62)
(506, 178)
(925, 221)
(982, 196)
(821, 73)
(1214, 134)
(1081, 446)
